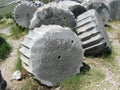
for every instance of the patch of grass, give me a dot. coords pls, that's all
(110, 62)
(83, 81)
(45, 1)
(31, 84)
(108, 59)
(4, 36)
(6, 23)
(7, 9)
(5, 1)
(18, 65)
(17, 32)
(115, 21)
(118, 36)
(8, 15)
(108, 28)
(4, 49)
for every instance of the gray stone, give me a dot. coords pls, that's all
(23, 13)
(52, 14)
(90, 29)
(17, 75)
(58, 88)
(114, 6)
(5, 31)
(100, 7)
(75, 7)
(78, 1)
(53, 52)
(3, 83)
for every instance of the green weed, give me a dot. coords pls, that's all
(83, 81)
(17, 32)
(4, 49)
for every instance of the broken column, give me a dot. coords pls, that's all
(53, 52)
(52, 14)
(90, 29)
(23, 13)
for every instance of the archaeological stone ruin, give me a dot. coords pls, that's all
(73, 6)
(114, 6)
(90, 28)
(100, 7)
(61, 34)
(52, 53)
(24, 12)
(51, 14)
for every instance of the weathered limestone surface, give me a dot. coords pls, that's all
(74, 6)
(23, 13)
(52, 14)
(90, 29)
(114, 9)
(113, 6)
(78, 1)
(100, 7)
(54, 53)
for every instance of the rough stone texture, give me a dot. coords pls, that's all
(23, 13)
(54, 53)
(78, 1)
(52, 14)
(75, 7)
(114, 6)
(100, 7)
(3, 83)
(17, 75)
(90, 29)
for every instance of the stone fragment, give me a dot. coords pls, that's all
(52, 14)
(6, 31)
(90, 29)
(17, 75)
(52, 53)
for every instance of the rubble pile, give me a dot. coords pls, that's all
(61, 32)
